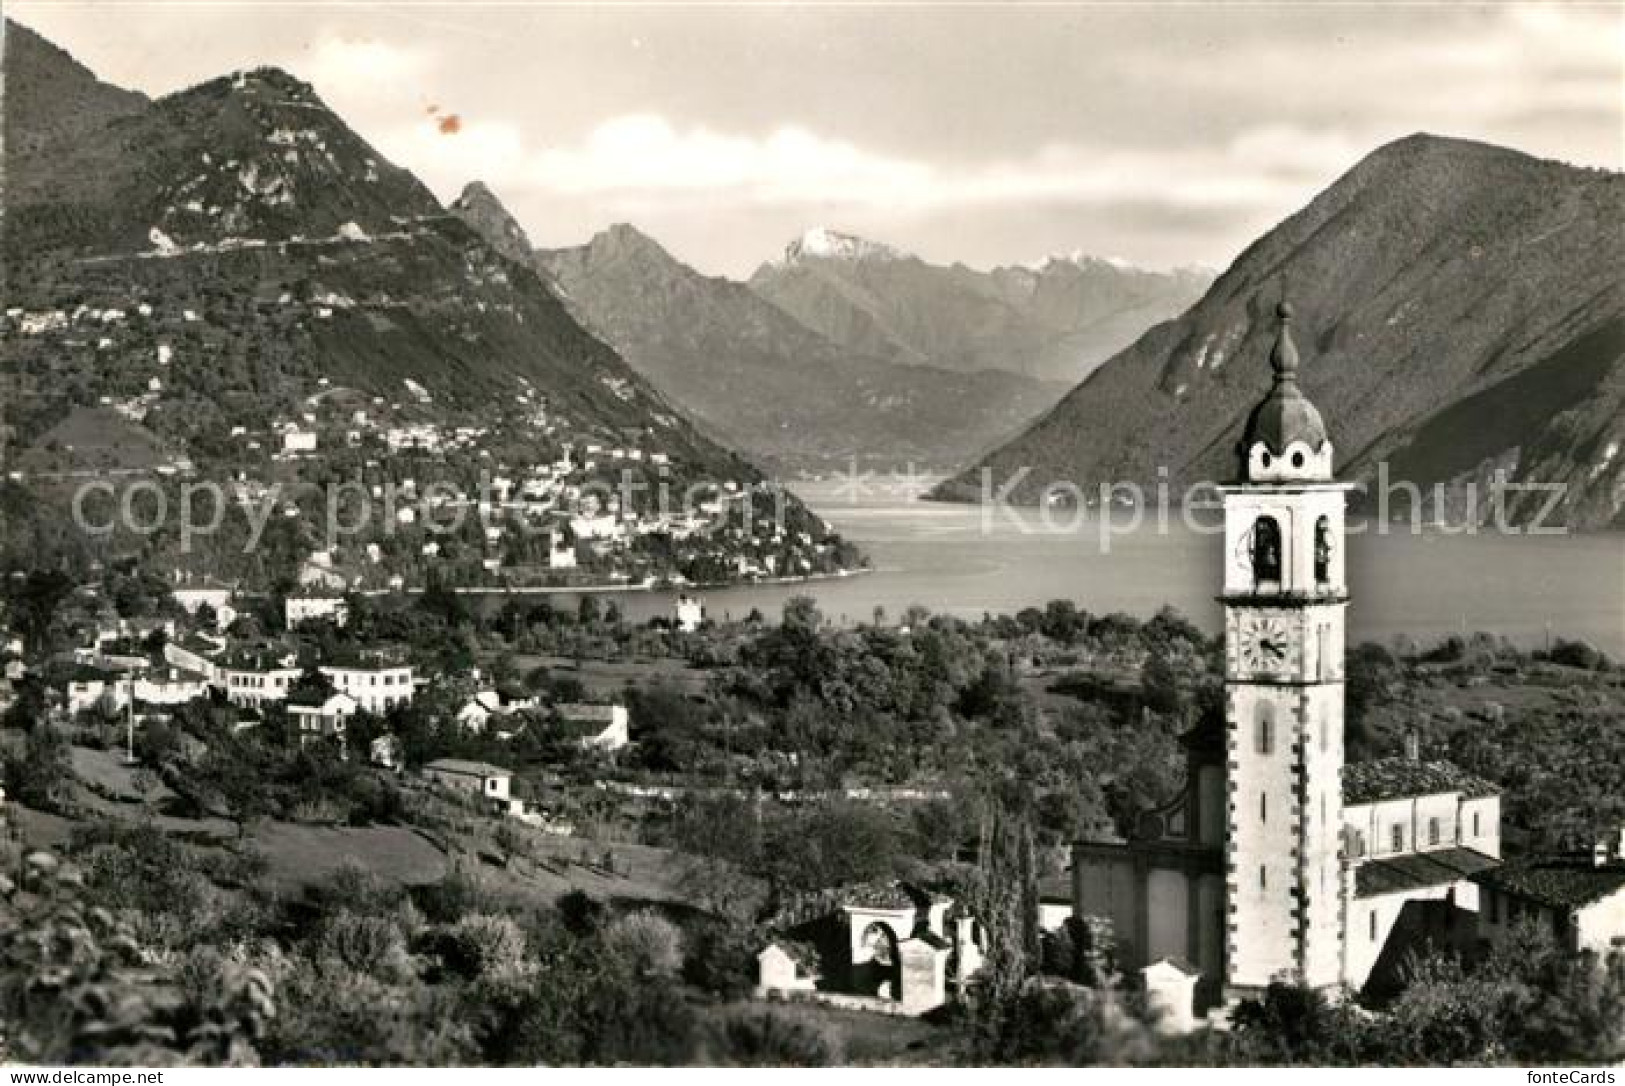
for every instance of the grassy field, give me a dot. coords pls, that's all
(463, 837)
(604, 678)
(300, 854)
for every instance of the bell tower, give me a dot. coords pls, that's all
(1284, 599)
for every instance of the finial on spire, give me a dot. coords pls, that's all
(1284, 356)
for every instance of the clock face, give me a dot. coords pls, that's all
(1267, 645)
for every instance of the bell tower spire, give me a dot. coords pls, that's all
(1285, 439)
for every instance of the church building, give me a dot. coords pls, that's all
(1279, 862)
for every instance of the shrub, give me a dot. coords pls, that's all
(769, 1040)
(367, 944)
(484, 945)
(646, 942)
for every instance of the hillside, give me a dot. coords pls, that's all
(763, 382)
(1461, 307)
(58, 95)
(217, 264)
(1055, 321)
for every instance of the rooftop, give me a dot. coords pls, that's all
(1394, 778)
(1568, 882)
(1415, 871)
(582, 711)
(472, 769)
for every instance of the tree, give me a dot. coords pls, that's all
(41, 776)
(234, 776)
(1160, 686)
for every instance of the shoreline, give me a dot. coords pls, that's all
(599, 589)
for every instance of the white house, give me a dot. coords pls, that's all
(377, 688)
(604, 727)
(481, 778)
(561, 554)
(690, 612)
(255, 684)
(193, 596)
(195, 653)
(297, 609)
(298, 440)
(479, 710)
(325, 719)
(1580, 899)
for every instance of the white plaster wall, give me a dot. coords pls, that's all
(1364, 949)
(1321, 825)
(1602, 923)
(1488, 838)
(1263, 867)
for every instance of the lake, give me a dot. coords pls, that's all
(1428, 585)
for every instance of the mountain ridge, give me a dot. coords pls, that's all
(1432, 272)
(1055, 321)
(232, 262)
(761, 379)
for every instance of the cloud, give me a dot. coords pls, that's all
(1207, 136)
(347, 67)
(644, 161)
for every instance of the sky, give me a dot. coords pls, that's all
(1160, 133)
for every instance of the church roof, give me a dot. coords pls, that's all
(1416, 870)
(1392, 778)
(1284, 415)
(1568, 882)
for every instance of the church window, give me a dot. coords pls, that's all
(1475, 823)
(1266, 730)
(1323, 551)
(1373, 924)
(1399, 838)
(1263, 807)
(1263, 877)
(1266, 550)
(1433, 831)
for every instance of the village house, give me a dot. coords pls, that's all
(113, 691)
(478, 711)
(689, 613)
(297, 440)
(195, 652)
(480, 778)
(319, 717)
(304, 608)
(192, 595)
(376, 687)
(600, 727)
(1580, 899)
(256, 681)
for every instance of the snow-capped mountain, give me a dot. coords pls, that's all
(822, 243)
(1054, 321)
